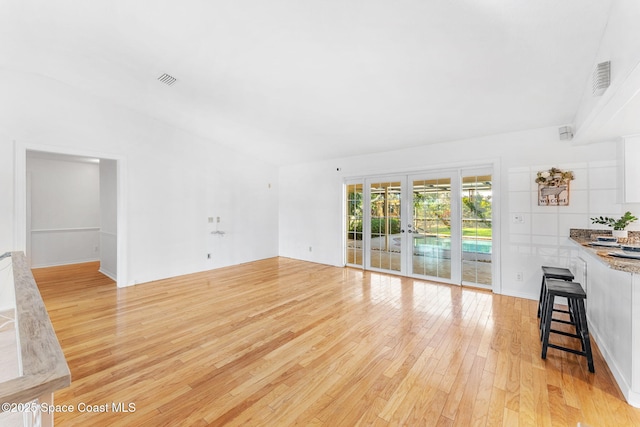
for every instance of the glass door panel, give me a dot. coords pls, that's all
(384, 237)
(354, 223)
(431, 226)
(476, 198)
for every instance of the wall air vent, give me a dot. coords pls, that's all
(601, 78)
(565, 132)
(167, 79)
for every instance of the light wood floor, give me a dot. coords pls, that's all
(282, 342)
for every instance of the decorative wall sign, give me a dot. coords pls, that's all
(553, 187)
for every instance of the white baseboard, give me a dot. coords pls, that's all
(58, 264)
(109, 274)
(633, 398)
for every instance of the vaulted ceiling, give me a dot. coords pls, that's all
(301, 80)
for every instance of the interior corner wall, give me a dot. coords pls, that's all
(311, 198)
(175, 180)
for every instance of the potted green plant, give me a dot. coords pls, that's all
(619, 225)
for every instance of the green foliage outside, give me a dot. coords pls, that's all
(378, 227)
(477, 207)
(354, 207)
(431, 213)
(467, 232)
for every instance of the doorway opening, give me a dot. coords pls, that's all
(431, 225)
(58, 237)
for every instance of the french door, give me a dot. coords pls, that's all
(434, 225)
(385, 239)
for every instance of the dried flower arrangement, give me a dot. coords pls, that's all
(554, 177)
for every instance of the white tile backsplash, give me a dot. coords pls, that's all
(578, 202)
(543, 236)
(520, 201)
(603, 163)
(603, 178)
(547, 247)
(568, 221)
(520, 238)
(544, 224)
(520, 228)
(520, 181)
(603, 202)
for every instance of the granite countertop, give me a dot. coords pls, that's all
(583, 237)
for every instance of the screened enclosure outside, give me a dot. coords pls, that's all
(354, 223)
(385, 243)
(477, 235)
(432, 225)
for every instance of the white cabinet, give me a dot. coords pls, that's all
(579, 268)
(613, 314)
(609, 314)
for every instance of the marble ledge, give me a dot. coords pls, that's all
(582, 238)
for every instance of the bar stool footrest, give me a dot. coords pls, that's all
(566, 322)
(566, 334)
(570, 350)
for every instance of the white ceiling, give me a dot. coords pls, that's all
(300, 80)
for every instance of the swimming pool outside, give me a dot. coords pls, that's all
(441, 247)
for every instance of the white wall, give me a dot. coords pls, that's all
(620, 44)
(311, 198)
(174, 180)
(109, 217)
(65, 216)
(6, 193)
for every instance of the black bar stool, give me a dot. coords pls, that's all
(575, 296)
(552, 273)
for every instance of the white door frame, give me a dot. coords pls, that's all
(20, 197)
(493, 165)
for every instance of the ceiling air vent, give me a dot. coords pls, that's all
(601, 78)
(167, 79)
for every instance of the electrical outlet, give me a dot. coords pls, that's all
(310, 249)
(208, 256)
(519, 276)
(218, 219)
